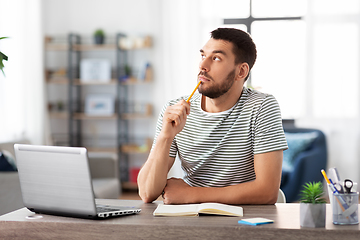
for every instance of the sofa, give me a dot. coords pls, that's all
(103, 168)
(306, 164)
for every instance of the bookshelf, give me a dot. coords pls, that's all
(70, 113)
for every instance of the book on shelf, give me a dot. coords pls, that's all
(196, 209)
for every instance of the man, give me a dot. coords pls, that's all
(229, 138)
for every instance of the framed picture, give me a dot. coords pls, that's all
(95, 70)
(99, 105)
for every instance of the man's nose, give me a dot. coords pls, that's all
(204, 65)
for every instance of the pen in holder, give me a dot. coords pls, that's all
(330, 191)
(345, 208)
(343, 200)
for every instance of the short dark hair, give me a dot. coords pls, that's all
(244, 47)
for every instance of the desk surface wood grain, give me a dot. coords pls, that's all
(17, 225)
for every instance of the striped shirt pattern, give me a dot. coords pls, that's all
(217, 149)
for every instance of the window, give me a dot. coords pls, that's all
(307, 55)
(335, 59)
(280, 67)
(279, 34)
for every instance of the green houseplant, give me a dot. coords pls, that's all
(99, 36)
(2, 57)
(312, 205)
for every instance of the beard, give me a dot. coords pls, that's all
(218, 89)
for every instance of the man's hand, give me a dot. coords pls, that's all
(176, 191)
(174, 118)
(152, 177)
(263, 190)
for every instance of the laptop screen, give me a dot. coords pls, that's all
(55, 179)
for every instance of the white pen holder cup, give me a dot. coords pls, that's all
(345, 208)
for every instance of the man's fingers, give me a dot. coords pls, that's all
(186, 105)
(176, 115)
(174, 118)
(183, 106)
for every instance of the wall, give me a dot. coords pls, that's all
(133, 18)
(82, 16)
(158, 18)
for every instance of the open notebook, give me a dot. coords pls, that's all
(196, 209)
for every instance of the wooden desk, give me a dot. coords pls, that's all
(16, 225)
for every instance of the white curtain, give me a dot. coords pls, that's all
(185, 30)
(180, 46)
(22, 104)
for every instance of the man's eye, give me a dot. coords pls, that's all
(202, 56)
(217, 59)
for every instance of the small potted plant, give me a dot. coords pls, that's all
(99, 36)
(2, 57)
(312, 205)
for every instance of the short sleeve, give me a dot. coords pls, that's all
(269, 134)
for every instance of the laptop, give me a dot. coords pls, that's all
(56, 180)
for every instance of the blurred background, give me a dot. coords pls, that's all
(308, 58)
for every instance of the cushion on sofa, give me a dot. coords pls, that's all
(106, 188)
(297, 143)
(7, 163)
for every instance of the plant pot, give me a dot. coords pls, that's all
(99, 39)
(312, 215)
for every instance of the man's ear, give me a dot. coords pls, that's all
(243, 70)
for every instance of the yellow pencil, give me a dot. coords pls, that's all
(193, 92)
(333, 189)
(325, 176)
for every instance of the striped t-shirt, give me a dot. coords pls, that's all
(217, 149)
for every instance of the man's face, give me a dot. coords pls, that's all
(217, 68)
